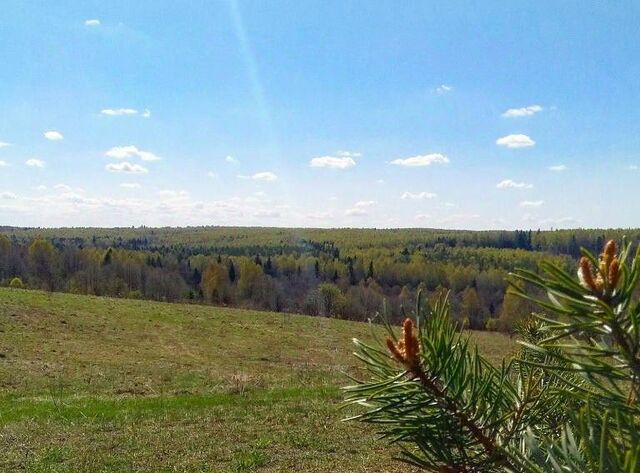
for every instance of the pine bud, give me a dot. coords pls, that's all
(585, 275)
(394, 350)
(614, 273)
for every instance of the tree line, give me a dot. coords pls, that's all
(347, 273)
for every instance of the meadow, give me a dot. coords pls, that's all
(95, 384)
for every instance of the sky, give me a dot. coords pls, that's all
(474, 115)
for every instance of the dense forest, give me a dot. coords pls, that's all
(346, 273)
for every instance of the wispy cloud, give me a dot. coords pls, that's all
(92, 22)
(212, 175)
(532, 203)
(126, 167)
(515, 141)
(231, 160)
(4, 144)
(632, 167)
(418, 195)
(4, 164)
(8, 195)
(53, 135)
(558, 168)
(130, 185)
(511, 184)
(522, 111)
(261, 176)
(422, 160)
(116, 112)
(444, 89)
(124, 152)
(35, 163)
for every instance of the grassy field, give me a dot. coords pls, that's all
(93, 384)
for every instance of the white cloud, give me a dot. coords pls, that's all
(522, 111)
(531, 203)
(359, 209)
(356, 212)
(380, 181)
(4, 144)
(92, 22)
(123, 152)
(53, 135)
(35, 163)
(632, 167)
(4, 164)
(423, 160)
(8, 195)
(443, 89)
(261, 176)
(558, 168)
(116, 112)
(510, 184)
(127, 167)
(365, 203)
(212, 175)
(63, 187)
(333, 162)
(418, 195)
(422, 216)
(515, 141)
(146, 113)
(130, 185)
(320, 215)
(231, 160)
(40, 188)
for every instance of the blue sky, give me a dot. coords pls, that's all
(320, 113)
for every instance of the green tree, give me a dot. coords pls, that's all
(568, 402)
(331, 300)
(42, 256)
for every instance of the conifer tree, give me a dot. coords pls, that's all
(567, 402)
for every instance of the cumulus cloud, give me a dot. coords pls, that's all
(8, 195)
(40, 188)
(173, 194)
(422, 160)
(261, 176)
(35, 163)
(126, 167)
(443, 89)
(63, 187)
(418, 195)
(124, 152)
(334, 162)
(130, 185)
(4, 144)
(531, 203)
(510, 184)
(558, 168)
(92, 22)
(231, 160)
(359, 209)
(515, 141)
(522, 111)
(4, 164)
(53, 135)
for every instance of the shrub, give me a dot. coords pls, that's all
(16, 283)
(568, 402)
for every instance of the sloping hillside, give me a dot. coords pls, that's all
(94, 384)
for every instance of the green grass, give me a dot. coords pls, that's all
(92, 384)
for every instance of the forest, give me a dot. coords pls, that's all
(343, 273)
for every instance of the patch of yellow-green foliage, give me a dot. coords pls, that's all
(92, 384)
